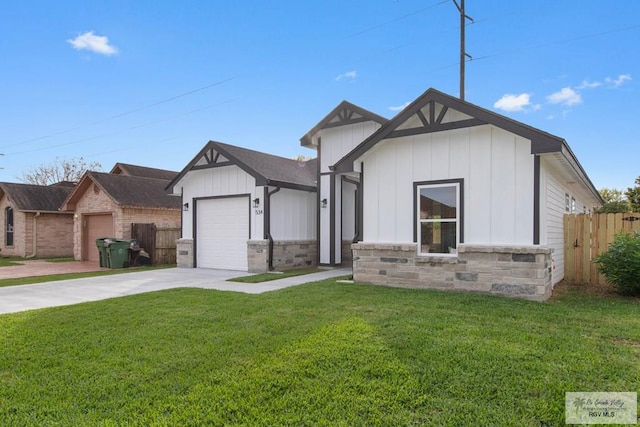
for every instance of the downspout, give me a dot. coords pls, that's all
(267, 225)
(35, 236)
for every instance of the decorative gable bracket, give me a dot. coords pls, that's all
(434, 117)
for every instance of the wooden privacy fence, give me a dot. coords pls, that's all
(587, 236)
(159, 242)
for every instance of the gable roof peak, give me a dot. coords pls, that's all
(345, 113)
(267, 169)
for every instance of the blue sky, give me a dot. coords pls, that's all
(150, 82)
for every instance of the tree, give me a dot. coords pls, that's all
(614, 201)
(633, 196)
(302, 158)
(58, 171)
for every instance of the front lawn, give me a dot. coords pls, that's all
(319, 354)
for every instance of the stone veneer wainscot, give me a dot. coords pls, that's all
(286, 254)
(519, 271)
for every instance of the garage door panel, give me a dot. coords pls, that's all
(96, 226)
(222, 228)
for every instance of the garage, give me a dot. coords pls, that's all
(222, 233)
(95, 226)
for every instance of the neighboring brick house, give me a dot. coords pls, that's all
(106, 204)
(32, 223)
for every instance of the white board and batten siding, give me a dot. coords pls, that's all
(226, 219)
(497, 169)
(553, 207)
(337, 142)
(216, 182)
(293, 215)
(325, 219)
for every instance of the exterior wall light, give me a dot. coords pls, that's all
(256, 202)
(185, 207)
(324, 203)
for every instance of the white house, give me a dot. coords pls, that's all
(444, 195)
(454, 196)
(246, 210)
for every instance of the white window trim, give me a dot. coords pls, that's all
(419, 221)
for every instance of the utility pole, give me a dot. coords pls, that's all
(463, 53)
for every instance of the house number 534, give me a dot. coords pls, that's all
(258, 211)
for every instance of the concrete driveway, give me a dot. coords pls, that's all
(66, 292)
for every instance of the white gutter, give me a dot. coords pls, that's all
(35, 235)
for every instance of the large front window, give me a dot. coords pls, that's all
(438, 217)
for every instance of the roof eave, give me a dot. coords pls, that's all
(290, 185)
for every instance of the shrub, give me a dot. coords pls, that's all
(620, 264)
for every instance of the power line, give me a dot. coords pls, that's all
(415, 12)
(126, 113)
(556, 42)
(136, 126)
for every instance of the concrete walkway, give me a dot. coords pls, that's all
(66, 292)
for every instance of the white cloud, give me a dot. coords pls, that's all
(588, 85)
(400, 107)
(510, 102)
(348, 75)
(93, 43)
(565, 96)
(622, 78)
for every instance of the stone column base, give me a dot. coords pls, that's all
(184, 253)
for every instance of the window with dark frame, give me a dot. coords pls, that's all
(438, 217)
(8, 215)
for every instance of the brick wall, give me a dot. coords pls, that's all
(96, 202)
(54, 233)
(18, 247)
(521, 271)
(91, 202)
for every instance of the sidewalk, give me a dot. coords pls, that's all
(66, 292)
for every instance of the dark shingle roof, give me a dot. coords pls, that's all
(143, 171)
(135, 191)
(273, 168)
(28, 197)
(267, 169)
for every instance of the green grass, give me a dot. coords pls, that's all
(265, 277)
(65, 276)
(60, 260)
(324, 354)
(6, 261)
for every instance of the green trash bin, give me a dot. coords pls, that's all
(118, 252)
(102, 251)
